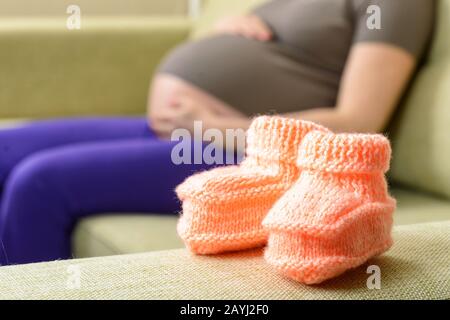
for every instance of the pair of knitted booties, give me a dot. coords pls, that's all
(319, 200)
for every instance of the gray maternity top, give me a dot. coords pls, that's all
(302, 66)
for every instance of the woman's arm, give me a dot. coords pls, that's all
(374, 79)
(373, 82)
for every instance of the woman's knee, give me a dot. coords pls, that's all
(32, 175)
(33, 213)
(12, 144)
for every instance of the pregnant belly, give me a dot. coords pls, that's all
(252, 76)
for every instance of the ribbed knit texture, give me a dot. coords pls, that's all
(338, 214)
(223, 208)
(415, 269)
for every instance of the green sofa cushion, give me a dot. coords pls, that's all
(106, 235)
(12, 123)
(213, 10)
(41, 8)
(416, 207)
(104, 68)
(415, 268)
(421, 130)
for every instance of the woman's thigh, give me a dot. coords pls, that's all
(20, 142)
(134, 175)
(49, 191)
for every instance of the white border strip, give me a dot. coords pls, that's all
(194, 8)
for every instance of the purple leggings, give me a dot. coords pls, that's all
(54, 172)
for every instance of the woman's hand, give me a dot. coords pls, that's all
(249, 26)
(185, 111)
(181, 114)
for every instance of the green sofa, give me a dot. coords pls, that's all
(31, 8)
(105, 69)
(417, 267)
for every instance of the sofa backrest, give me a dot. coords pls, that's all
(47, 70)
(421, 128)
(27, 8)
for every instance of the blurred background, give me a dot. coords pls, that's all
(49, 70)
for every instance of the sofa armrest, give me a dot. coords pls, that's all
(417, 267)
(103, 68)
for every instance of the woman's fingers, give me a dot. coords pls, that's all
(247, 29)
(251, 27)
(163, 127)
(262, 31)
(254, 28)
(226, 25)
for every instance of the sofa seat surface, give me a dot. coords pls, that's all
(122, 233)
(106, 235)
(417, 267)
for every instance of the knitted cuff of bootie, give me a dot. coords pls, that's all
(277, 138)
(345, 153)
(271, 141)
(338, 214)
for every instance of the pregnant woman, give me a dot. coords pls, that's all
(316, 60)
